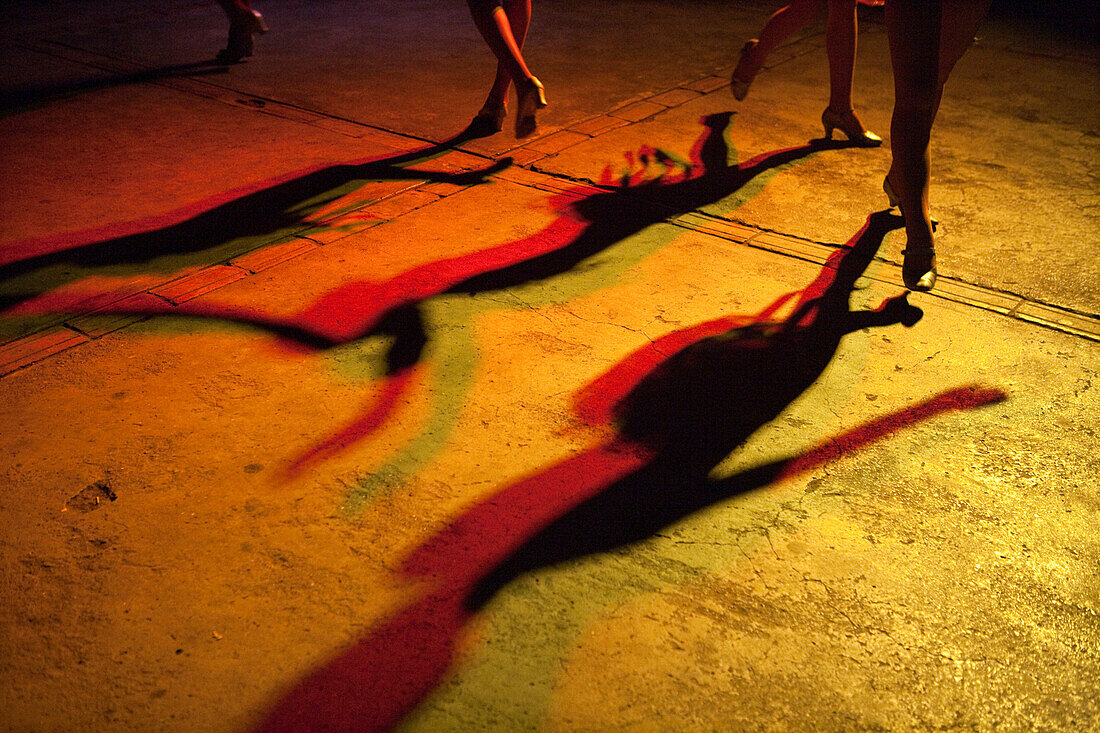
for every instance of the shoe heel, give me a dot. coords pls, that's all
(830, 122)
(742, 76)
(850, 126)
(918, 269)
(891, 194)
(529, 98)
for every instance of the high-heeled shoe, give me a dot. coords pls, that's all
(850, 125)
(891, 194)
(918, 270)
(241, 33)
(745, 72)
(489, 120)
(530, 97)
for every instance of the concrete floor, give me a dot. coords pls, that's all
(320, 420)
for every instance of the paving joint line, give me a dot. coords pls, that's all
(675, 220)
(190, 83)
(988, 304)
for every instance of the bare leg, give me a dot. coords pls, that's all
(784, 23)
(496, 27)
(840, 45)
(913, 29)
(518, 13)
(926, 40)
(780, 26)
(841, 30)
(960, 22)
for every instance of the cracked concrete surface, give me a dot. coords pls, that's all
(917, 565)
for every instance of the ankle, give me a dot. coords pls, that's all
(750, 56)
(919, 239)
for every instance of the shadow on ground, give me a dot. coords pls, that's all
(593, 218)
(676, 420)
(216, 229)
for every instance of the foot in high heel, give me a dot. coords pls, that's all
(849, 124)
(918, 270)
(241, 33)
(488, 121)
(745, 72)
(530, 97)
(891, 194)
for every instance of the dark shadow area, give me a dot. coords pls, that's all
(593, 220)
(630, 207)
(675, 423)
(264, 210)
(1079, 21)
(700, 405)
(15, 101)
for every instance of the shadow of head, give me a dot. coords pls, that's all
(709, 397)
(700, 404)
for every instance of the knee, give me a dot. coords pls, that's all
(916, 86)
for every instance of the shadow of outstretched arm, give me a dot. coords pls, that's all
(614, 215)
(204, 231)
(586, 504)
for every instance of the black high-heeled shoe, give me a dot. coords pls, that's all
(850, 125)
(530, 97)
(743, 75)
(891, 194)
(488, 121)
(241, 38)
(918, 270)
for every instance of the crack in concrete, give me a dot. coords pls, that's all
(191, 86)
(629, 329)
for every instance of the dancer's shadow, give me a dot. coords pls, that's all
(23, 99)
(702, 403)
(204, 232)
(635, 204)
(675, 424)
(591, 223)
(592, 220)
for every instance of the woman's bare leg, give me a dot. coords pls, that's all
(840, 46)
(913, 29)
(959, 23)
(784, 23)
(926, 40)
(780, 26)
(495, 27)
(841, 30)
(518, 13)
